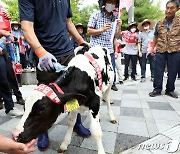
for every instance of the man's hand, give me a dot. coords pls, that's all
(106, 27)
(7, 15)
(45, 59)
(119, 22)
(140, 54)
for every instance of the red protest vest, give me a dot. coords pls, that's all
(129, 37)
(4, 23)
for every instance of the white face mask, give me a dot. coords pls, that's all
(146, 28)
(15, 28)
(133, 30)
(109, 7)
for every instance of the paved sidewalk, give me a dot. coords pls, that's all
(142, 120)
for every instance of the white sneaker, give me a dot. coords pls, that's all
(32, 69)
(15, 112)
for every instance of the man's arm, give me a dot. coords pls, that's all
(29, 34)
(94, 32)
(73, 31)
(45, 58)
(139, 49)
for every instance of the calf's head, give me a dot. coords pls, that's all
(42, 115)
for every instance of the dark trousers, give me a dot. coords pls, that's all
(173, 64)
(114, 66)
(13, 80)
(5, 90)
(133, 59)
(143, 61)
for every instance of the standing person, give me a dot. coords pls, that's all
(118, 47)
(45, 26)
(144, 38)
(167, 41)
(5, 90)
(81, 30)
(100, 29)
(130, 50)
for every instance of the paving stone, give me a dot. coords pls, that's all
(147, 113)
(164, 125)
(58, 133)
(77, 150)
(131, 103)
(4, 119)
(108, 139)
(129, 91)
(176, 106)
(9, 125)
(124, 142)
(132, 112)
(130, 96)
(160, 106)
(165, 115)
(133, 128)
(151, 127)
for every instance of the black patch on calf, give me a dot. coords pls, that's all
(94, 56)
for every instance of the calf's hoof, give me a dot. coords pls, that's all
(113, 121)
(60, 150)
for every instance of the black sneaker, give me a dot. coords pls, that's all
(125, 79)
(121, 82)
(154, 93)
(20, 101)
(114, 88)
(171, 94)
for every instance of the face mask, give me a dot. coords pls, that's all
(109, 7)
(146, 28)
(15, 28)
(133, 30)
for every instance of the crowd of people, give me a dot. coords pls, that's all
(52, 37)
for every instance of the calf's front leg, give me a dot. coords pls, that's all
(96, 132)
(67, 139)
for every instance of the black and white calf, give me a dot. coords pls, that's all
(81, 81)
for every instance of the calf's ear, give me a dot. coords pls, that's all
(69, 96)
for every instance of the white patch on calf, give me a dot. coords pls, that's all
(36, 95)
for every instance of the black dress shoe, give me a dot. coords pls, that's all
(171, 94)
(154, 93)
(134, 79)
(114, 88)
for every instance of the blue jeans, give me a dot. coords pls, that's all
(114, 66)
(173, 64)
(143, 61)
(5, 90)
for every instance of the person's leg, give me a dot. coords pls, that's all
(159, 66)
(114, 68)
(5, 89)
(13, 82)
(134, 61)
(119, 68)
(143, 66)
(126, 62)
(172, 64)
(151, 61)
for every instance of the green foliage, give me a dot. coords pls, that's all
(143, 9)
(12, 9)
